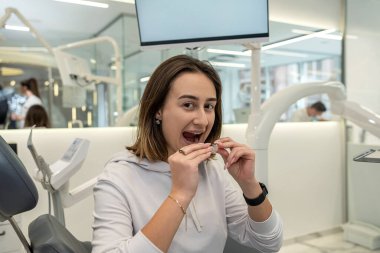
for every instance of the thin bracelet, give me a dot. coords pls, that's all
(179, 204)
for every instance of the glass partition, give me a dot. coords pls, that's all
(317, 58)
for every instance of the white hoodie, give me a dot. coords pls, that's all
(130, 191)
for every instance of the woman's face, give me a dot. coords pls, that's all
(188, 113)
(23, 89)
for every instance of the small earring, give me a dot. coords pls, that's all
(158, 122)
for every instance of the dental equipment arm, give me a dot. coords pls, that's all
(69, 198)
(117, 79)
(90, 78)
(261, 123)
(7, 15)
(360, 115)
(44, 173)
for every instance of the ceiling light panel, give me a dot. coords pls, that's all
(86, 3)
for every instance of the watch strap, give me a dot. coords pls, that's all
(259, 199)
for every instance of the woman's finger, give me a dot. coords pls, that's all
(240, 153)
(192, 147)
(227, 142)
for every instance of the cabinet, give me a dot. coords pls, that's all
(9, 242)
(363, 227)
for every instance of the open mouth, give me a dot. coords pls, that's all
(191, 137)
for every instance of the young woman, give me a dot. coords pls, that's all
(168, 192)
(29, 89)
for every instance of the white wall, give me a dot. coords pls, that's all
(363, 57)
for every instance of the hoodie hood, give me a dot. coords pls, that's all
(129, 157)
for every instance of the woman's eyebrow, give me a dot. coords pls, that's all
(196, 98)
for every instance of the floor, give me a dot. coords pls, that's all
(331, 242)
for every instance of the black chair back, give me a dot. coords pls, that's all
(18, 192)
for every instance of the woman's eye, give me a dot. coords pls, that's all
(188, 105)
(210, 107)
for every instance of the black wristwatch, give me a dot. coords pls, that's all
(260, 199)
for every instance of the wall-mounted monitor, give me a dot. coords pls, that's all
(193, 23)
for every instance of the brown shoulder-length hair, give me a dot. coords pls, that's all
(150, 142)
(36, 115)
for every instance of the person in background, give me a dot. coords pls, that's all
(37, 116)
(4, 107)
(29, 88)
(171, 190)
(310, 113)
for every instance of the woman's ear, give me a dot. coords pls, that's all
(158, 115)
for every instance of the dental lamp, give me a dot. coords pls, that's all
(55, 177)
(74, 69)
(87, 76)
(262, 122)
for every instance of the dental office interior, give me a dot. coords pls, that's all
(325, 50)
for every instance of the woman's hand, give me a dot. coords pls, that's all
(239, 160)
(184, 168)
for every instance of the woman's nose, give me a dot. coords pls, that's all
(201, 118)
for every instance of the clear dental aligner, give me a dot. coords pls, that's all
(214, 148)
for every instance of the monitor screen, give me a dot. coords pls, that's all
(191, 23)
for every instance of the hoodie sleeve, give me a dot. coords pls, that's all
(264, 236)
(113, 229)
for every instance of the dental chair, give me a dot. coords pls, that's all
(18, 194)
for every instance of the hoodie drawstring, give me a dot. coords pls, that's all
(194, 216)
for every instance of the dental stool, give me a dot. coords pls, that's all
(18, 194)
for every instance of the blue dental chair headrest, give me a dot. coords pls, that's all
(18, 193)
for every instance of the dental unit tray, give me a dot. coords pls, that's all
(59, 173)
(371, 156)
(55, 178)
